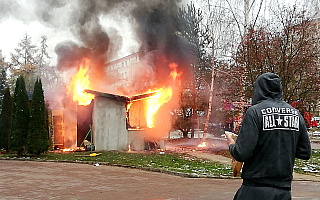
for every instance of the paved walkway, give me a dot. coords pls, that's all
(51, 180)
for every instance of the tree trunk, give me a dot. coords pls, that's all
(210, 97)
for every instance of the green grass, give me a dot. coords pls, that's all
(311, 166)
(168, 162)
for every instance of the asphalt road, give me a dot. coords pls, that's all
(51, 180)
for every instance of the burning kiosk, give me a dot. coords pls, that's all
(119, 122)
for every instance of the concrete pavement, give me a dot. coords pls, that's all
(52, 180)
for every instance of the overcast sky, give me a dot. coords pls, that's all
(36, 18)
(18, 17)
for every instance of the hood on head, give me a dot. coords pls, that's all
(267, 86)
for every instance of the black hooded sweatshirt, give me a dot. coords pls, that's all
(272, 135)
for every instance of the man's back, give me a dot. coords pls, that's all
(272, 135)
(272, 130)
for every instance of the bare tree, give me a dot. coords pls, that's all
(232, 23)
(49, 75)
(291, 50)
(228, 24)
(24, 61)
(52, 80)
(43, 55)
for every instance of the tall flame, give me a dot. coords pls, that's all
(162, 96)
(80, 82)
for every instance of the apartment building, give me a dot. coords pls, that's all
(123, 71)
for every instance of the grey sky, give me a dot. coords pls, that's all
(19, 17)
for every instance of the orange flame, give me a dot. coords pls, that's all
(68, 150)
(128, 106)
(203, 144)
(174, 73)
(127, 110)
(162, 96)
(80, 82)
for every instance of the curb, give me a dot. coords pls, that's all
(181, 174)
(297, 177)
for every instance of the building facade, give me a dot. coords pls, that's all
(123, 71)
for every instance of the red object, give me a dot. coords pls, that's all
(314, 123)
(307, 117)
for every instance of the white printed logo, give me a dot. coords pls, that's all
(280, 118)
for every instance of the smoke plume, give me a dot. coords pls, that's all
(87, 32)
(155, 26)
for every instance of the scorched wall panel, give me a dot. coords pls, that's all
(109, 124)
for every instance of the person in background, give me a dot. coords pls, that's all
(271, 136)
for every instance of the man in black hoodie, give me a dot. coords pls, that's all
(272, 135)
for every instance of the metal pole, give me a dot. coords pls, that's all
(91, 138)
(86, 137)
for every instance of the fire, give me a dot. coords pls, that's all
(80, 82)
(127, 110)
(174, 74)
(128, 106)
(68, 150)
(163, 95)
(203, 144)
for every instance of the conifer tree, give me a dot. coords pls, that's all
(5, 119)
(37, 141)
(13, 110)
(2, 85)
(20, 118)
